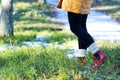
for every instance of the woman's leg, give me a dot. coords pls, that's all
(84, 37)
(83, 26)
(82, 48)
(75, 21)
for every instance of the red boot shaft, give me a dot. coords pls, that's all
(97, 62)
(83, 61)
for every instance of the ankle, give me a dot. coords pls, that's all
(97, 56)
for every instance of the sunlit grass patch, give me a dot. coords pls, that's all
(107, 7)
(30, 6)
(36, 25)
(21, 5)
(19, 37)
(60, 37)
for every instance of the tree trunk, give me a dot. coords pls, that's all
(6, 27)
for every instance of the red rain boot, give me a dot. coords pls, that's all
(83, 61)
(97, 61)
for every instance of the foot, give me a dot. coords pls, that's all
(83, 62)
(99, 57)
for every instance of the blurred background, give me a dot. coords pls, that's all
(35, 41)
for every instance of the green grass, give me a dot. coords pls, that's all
(50, 63)
(112, 8)
(31, 63)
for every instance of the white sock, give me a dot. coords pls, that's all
(93, 48)
(80, 52)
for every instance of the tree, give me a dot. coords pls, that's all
(6, 27)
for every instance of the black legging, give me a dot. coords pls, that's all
(78, 27)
